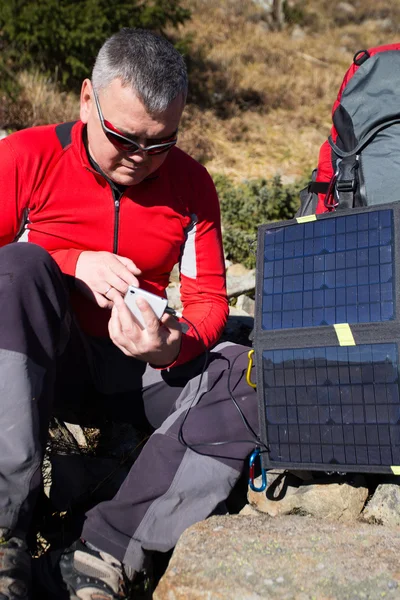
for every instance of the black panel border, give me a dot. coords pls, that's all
(320, 336)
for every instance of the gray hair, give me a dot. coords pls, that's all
(146, 62)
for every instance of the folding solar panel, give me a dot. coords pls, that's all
(326, 340)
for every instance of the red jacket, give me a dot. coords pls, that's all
(172, 215)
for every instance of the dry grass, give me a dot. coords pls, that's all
(276, 88)
(260, 100)
(39, 102)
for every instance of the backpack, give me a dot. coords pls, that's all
(359, 164)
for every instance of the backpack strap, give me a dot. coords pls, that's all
(309, 196)
(318, 187)
(346, 181)
(364, 141)
(340, 192)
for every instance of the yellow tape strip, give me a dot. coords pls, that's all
(306, 219)
(396, 470)
(344, 334)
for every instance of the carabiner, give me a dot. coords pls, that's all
(248, 372)
(329, 199)
(253, 457)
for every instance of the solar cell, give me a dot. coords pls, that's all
(331, 400)
(329, 394)
(329, 271)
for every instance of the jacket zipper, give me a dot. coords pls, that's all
(117, 203)
(117, 195)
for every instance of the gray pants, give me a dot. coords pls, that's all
(183, 472)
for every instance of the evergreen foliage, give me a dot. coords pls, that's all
(62, 37)
(246, 206)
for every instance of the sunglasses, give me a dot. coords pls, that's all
(126, 144)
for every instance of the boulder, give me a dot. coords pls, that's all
(174, 276)
(246, 304)
(384, 506)
(237, 285)
(327, 498)
(287, 558)
(236, 270)
(174, 296)
(236, 311)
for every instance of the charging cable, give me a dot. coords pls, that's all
(194, 447)
(175, 313)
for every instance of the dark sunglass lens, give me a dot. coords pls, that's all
(127, 146)
(118, 143)
(160, 150)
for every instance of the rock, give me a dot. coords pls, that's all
(240, 285)
(235, 311)
(66, 438)
(249, 511)
(46, 475)
(247, 304)
(237, 270)
(239, 281)
(288, 558)
(174, 297)
(77, 432)
(384, 506)
(328, 498)
(174, 276)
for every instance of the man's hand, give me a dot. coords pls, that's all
(159, 343)
(104, 276)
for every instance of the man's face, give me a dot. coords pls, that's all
(122, 108)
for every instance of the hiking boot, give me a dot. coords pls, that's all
(91, 574)
(15, 568)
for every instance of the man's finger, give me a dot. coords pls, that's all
(123, 275)
(113, 296)
(115, 328)
(171, 322)
(116, 334)
(118, 300)
(127, 262)
(103, 301)
(150, 318)
(121, 280)
(115, 282)
(129, 323)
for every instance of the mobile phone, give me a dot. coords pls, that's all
(157, 303)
